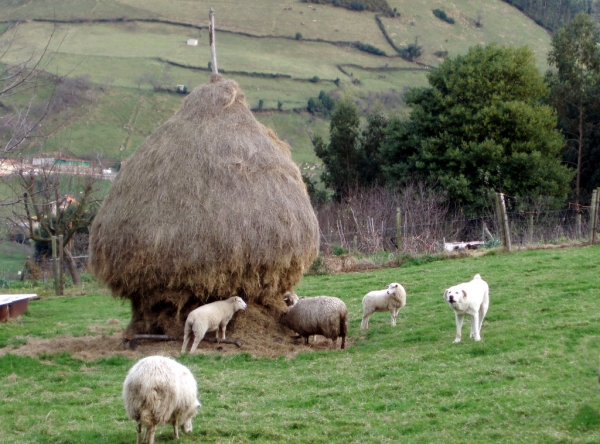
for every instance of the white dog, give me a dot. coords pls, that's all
(472, 299)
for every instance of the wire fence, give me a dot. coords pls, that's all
(431, 230)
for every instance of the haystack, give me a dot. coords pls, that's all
(209, 206)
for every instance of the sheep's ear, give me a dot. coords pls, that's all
(464, 294)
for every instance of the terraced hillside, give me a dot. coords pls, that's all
(282, 52)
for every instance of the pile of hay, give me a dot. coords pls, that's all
(210, 206)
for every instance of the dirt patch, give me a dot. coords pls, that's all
(263, 336)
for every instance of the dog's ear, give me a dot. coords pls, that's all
(446, 294)
(464, 294)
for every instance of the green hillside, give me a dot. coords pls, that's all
(280, 52)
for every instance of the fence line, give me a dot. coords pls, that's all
(539, 227)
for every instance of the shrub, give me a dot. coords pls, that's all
(441, 14)
(298, 36)
(369, 48)
(338, 250)
(412, 52)
(441, 54)
(357, 6)
(314, 79)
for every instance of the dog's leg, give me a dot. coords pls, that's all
(483, 309)
(459, 322)
(475, 327)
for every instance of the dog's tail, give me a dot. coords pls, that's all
(477, 276)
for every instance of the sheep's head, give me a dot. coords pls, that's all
(284, 320)
(187, 425)
(392, 288)
(238, 303)
(290, 299)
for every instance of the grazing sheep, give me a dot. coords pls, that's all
(321, 315)
(392, 299)
(159, 390)
(210, 317)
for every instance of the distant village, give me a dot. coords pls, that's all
(63, 165)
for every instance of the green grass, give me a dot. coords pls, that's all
(502, 23)
(117, 54)
(533, 377)
(13, 256)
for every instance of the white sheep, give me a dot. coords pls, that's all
(290, 298)
(210, 317)
(320, 315)
(392, 299)
(159, 390)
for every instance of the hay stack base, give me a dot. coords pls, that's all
(210, 206)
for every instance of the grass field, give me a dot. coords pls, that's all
(532, 378)
(117, 54)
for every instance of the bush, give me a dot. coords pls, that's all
(338, 250)
(369, 48)
(4, 282)
(441, 14)
(314, 79)
(298, 36)
(412, 52)
(357, 6)
(441, 54)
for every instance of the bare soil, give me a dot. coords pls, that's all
(257, 327)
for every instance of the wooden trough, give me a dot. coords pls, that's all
(13, 305)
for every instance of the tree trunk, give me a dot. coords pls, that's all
(72, 267)
(579, 154)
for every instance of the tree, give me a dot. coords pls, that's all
(371, 141)
(44, 202)
(480, 127)
(18, 124)
(575, 93)
(341, 156)
(52, 204)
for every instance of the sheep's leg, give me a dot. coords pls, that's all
(343, 342)
(393, 314)
(176, 430)
(306, 338)
(459, 322)
(186, 337)
(139, 433)
(364, 325)
(222, 328)
(150, 431)
(198, 335)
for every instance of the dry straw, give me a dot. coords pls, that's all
(211, 205)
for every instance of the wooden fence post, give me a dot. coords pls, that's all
(399, 233)
(61, 282)
(594, 215)
(578, 224)
(54, 266)
(503, 220)
(593, 211)
(530, 227)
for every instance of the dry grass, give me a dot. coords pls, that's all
(210, 206)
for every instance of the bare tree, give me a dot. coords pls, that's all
(19, 124)
(52, 204)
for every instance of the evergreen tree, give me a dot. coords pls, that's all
(575, 93)
(480, 127)
(341, 157)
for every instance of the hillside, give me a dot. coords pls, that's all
(280, 52)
